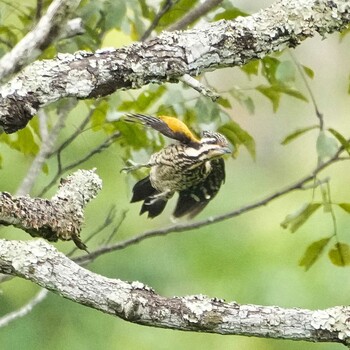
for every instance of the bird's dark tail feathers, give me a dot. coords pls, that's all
(144, 191)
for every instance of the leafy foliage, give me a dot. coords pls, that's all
(299, 132)
(23, 141)
(341, 139)
(295, 220)
(326, 146)
(340, 254)
(313, 252)
(237, 136)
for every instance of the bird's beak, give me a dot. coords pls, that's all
(226, 150)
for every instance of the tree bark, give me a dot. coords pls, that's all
(169, 56)
(59, 218)
(42, 264)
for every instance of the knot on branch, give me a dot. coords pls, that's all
(59, 218)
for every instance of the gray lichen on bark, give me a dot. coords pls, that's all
(59, 218)
(167, 57)
(41, 263)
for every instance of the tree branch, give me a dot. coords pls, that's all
(167, 57)
(51, 25)
(62, 169)
(59, 218)
(42, 264)
(46, 147)
(193, 15)
(24, 310)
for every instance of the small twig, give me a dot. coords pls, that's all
(75, 134)
(198, 86)
(106, 223)
(105, 144)
(319, 115)
(166, 7)
(194, 14)
(195, 225)
(117, 226)
(47, 144)
(24, 310)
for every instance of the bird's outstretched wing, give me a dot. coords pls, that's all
(194, 199)
(168, 126)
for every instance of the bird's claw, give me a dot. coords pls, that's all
(132, 166)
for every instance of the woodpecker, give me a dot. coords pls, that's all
(192, 167)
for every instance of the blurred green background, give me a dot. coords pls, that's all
(248, 259)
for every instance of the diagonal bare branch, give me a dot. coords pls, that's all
(45, 32)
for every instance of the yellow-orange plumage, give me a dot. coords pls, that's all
(178, 126)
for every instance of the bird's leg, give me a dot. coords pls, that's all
(165, 195)
(134, 166)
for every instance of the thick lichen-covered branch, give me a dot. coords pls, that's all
(167, 57)
(41, 263)
(59, 218)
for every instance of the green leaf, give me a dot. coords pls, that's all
(344, 32)
(149, 97)
(269, 68)
(23, 141)
(345, 206)
(144, 100)
(134, 135)
(230, 14)
(271, 93)
(98, 117)
(146, 10)
(291, 92)
(308, 71)
(178, 10)
(224, 102)
(295, 134)
(237, 136)
(251, 68)
(243, 100)
(206, 110)
(326, 146)
(45, 169)
(341, 139)
(295, 220)
(285, 72)
(313, 252)
(8, 35)
(340, 254)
